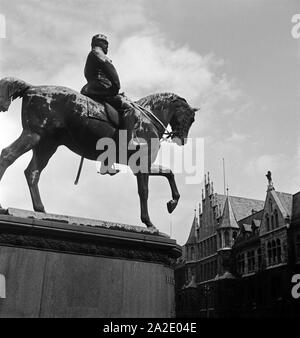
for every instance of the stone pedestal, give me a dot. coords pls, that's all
(59, 266)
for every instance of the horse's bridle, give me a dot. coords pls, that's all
(144, 111)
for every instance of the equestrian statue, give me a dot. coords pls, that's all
(53, 116)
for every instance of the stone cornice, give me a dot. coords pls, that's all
(60, 236)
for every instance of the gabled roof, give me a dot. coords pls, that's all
(242, 207)
(193, 235)
(286, 202)
(228, 217)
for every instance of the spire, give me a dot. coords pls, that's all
(270, 182)
(193, 233)
(228, 217)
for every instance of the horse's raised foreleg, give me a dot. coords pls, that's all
(158, 170)
(142, 182)
(26, 141)
(41, 155)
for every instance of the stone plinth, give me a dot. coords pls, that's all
(59, 266)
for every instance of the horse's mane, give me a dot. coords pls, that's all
(152, 99)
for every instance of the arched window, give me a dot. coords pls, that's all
(278, 250)
(267, 222)
(272, 222)
(241, 263)
(274, 252)
(227, 239)
(276, 218)
(220, 240)
(192, 253)
(259, 257)
(270, 205)
(269, 253)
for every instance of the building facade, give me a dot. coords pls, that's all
(240, 256)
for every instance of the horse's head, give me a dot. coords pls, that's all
(182, 119)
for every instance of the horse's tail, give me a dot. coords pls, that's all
(10, 89)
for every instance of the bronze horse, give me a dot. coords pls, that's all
(54, 116)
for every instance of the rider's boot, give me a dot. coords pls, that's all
(128, 123)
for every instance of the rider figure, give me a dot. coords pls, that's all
(104, 84)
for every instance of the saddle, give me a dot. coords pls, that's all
(100, 109)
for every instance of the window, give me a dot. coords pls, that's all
(267, 222)
(278, 251)
(276, 218)
(220, 240)
(269, 253)
(274, 252)
(251, 260)
(272, 222)
(192, 253)
(241, 263)
(234, 235)
(270, 205)
(227, 239)
(259, 257)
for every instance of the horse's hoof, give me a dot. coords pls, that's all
(171, 205)
(110, 172)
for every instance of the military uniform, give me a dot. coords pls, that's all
(104, 85)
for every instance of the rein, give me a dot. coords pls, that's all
(144, 111)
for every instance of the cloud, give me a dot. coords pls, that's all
(265, 162)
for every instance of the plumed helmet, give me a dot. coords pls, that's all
(99, 38)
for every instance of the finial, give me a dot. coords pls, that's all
(205, 179)
(212, 188)
(227, 191)
(270, 182)
(202, 195)
(208, 177)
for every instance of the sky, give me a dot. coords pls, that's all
(236, 60)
